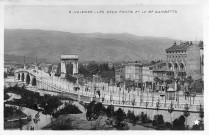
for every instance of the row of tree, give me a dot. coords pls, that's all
(117, 118)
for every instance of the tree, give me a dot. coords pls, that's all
(186, 112)
(178, 124)
(103, 67)
(108, 75)
(201, 115)
(93, 68)
(119, 117)
(84, 71)
(70, 78)
(158, 120)
(94, 110)
(144, 118)
(58, 72)
(110, 111)
(170, 109)
(132, 118)
(50, 69)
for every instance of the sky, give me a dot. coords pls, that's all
(185, 24)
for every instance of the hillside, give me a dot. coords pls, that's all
(20, 59)
(91, 46)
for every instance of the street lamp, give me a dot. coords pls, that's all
(166, 88)
(170, 109)
(158, 104)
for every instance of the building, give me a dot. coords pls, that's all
(133, 71)
(147, 74)
(139, 72)
(202, 61)
(184, 60)
(160, 71)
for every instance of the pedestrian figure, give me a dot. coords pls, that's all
(98, 93)
(103, 98)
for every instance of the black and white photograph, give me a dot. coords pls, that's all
(103, 67)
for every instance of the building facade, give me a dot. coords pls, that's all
(133, 71)
(139, 73)
(147, 74)
(184, 60)
(160, 71)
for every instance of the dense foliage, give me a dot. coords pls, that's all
(158, 121)
(68, 109)
(94, 110)
(178, 124)
(32, 99)
(132, 118)
(10, 111)
(110, 111)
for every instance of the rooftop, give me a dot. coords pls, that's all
(136, 64)
(182, 47)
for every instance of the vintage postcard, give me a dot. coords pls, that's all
(103, 67)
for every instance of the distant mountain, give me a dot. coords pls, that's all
(20, 59)
(91, 46)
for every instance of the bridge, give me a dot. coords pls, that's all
(109, 95)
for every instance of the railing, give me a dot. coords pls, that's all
(66, 87)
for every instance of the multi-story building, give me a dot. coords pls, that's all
(139, 72)
(184, 60)
(160, 71)
(133, 71)
(147, 74)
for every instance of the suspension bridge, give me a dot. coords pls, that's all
(108, 95)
